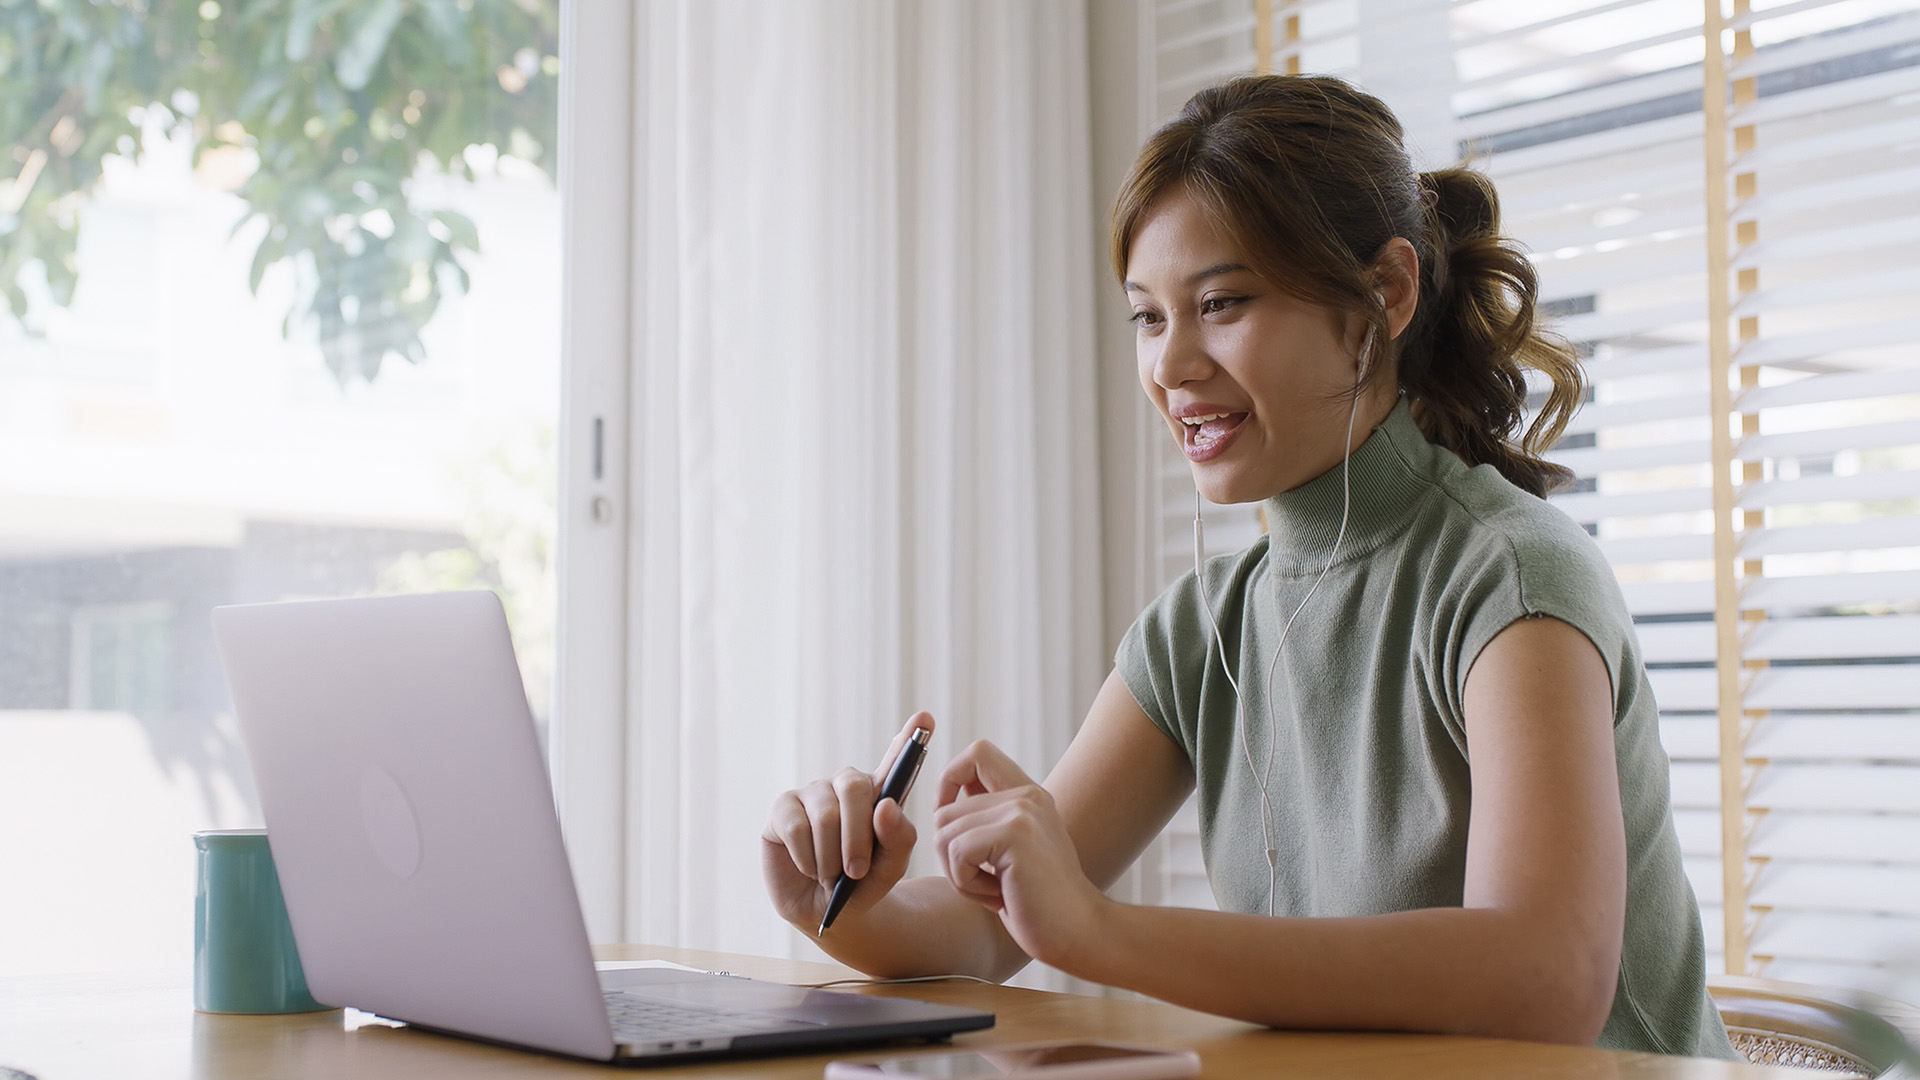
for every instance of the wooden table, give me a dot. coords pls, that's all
(82, 1027)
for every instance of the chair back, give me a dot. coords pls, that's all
(1773, 1022)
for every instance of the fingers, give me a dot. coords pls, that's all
(914, 723)
(823, 818)
(978, 839)
(854, 791)
(894, 837)
(974, 857)
(973, 846)
(827, 827)
(787, 825)
(980, 768)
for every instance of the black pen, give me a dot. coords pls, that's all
(898, 782)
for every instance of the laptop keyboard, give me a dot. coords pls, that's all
(640, 1020)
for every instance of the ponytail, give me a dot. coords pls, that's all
(1463, 359)
(1309, 175)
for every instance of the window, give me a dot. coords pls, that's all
(121, 658)
(269, 329)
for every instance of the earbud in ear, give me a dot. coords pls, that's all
(1364, 363)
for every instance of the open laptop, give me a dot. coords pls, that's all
(413, 829)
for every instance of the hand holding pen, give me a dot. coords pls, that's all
(830, 839)
(899, 781)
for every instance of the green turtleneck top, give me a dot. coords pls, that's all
(1370, 789)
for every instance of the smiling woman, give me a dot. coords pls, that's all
(1439, 802)
(1416, 258)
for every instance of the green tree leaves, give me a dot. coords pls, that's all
(335, 104)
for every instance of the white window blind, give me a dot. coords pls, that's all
(1590, 118)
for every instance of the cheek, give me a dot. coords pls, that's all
(1146, 357)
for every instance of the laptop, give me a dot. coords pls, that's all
(413, 828)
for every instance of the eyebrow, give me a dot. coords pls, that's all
(1212, 271)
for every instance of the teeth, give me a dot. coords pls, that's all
(1196, 421)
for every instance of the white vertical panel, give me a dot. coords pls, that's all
(588, 734)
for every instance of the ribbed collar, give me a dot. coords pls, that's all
(1389, 481)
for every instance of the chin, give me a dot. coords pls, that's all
(1226, 490)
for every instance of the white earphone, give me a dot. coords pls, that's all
(1262, 777)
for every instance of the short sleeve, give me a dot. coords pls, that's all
(1550, 567)
(1170, 658)
(1149, 661)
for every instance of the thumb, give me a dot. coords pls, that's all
(893, 836)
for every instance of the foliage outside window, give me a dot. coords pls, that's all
(317, 111)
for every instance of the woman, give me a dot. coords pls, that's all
(1432, 792)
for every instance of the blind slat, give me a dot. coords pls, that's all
(1667, 256)
(1525, 196)
(1583, 102)
(1651, 549)
(1829, 590)
(1836, 937)
(1853, 386)
(1559, 64)
(1824, 242)
(1677, 131)
(1890, 532)
(1878, 486)
(1838, 837)
(1820, 442)
(1643, 410)
(1668, 597)
(1693, 689)
(1852, 737)
(1813, 49)
(1866, 334)
(1836, 637)
(1594, 460)
(1849, 187)
(1827, 97)
(1598, 326)
(1590, 507)
(1852, 686)
(1836, 289)
(1627, 363)
(1821, 887)
(1829, 144)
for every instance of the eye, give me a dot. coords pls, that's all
(1145, 319)
(1213, 305)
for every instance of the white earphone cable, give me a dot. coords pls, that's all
(1261, 777)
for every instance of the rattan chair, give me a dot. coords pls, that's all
(1783, 1023)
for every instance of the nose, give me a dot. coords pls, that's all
(1183, 356)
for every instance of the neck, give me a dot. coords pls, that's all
(1374, 488)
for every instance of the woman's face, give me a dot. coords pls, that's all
(1254, 383)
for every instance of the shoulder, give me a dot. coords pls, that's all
(1182, 607)
(1164, 656)
(1518, 555)
(1546, 551)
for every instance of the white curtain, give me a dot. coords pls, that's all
(863, 408)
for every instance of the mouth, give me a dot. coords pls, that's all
(1205, 436)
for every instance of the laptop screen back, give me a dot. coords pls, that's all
(410, 815)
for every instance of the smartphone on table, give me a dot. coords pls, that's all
(1043, 1061)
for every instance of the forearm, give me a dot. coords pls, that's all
(1451, 970)
(924, 927)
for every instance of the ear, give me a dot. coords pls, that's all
(1396, 276)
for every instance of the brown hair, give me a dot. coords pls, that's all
(1309, 175)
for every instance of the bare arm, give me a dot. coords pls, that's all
(1533, 953)
(1119, 782)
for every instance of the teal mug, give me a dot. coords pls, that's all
(244, 960)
